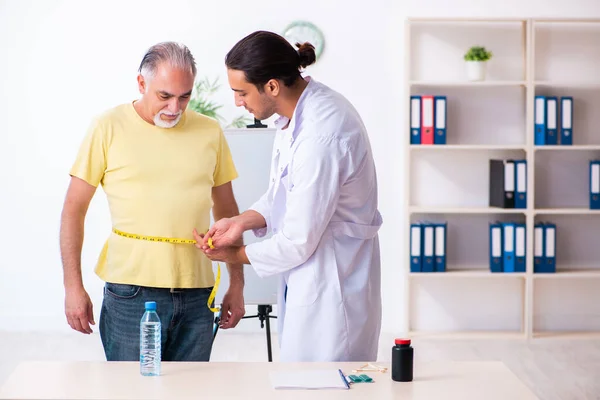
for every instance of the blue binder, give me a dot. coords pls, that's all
(440, 119)
(551, 120)
(550, 247)
(539, 261)
(520, 247)
(440, 246)
(520, 183)
(540, 120)
(415, 119)
(595, 184)
(428, 247)
(508, 258)
(566, 120)
(496, 253)
(416, 247)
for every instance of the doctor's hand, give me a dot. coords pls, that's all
(229, 255)
(225, 232)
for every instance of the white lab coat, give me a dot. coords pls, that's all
(321, 207)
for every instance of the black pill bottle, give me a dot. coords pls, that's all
(402, 361)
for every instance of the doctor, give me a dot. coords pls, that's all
(321, 207)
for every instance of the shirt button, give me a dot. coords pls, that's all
(274, 230)
(273, 180)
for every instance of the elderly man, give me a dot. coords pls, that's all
(162, 168)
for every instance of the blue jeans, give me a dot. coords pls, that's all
(186, 322)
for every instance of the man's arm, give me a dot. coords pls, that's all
(225, 206)
(227, 232)
(78, 306)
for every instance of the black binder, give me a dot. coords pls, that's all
(502, 183)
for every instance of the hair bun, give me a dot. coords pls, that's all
(306, 54)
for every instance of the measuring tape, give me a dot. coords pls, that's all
(179, 241)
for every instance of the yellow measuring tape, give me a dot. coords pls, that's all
(179, 241)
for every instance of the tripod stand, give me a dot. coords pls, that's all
(264, 316)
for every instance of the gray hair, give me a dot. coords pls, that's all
(176, 54)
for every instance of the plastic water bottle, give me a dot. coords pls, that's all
(150, 351)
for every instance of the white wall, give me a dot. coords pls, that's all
(65, 61)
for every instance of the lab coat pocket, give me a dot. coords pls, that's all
(357, 231)
(353, 244)
(301, 285)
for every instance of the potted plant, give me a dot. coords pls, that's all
(202, 104)
(476, 58)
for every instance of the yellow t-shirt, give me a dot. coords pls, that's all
(158, 182)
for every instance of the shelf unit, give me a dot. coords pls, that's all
(494, 118)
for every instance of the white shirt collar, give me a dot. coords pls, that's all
(282, 121)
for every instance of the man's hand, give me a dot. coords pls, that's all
(225, 232)
(79, 310)
(232, 308)
(230, 255)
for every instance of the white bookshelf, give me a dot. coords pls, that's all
(450, 183)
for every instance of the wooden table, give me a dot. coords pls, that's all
(241, 380)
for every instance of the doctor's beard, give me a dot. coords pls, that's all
(166, 124)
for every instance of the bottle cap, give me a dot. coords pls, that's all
(151, 305)
(402, 341)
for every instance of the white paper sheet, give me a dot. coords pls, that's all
(308, 379)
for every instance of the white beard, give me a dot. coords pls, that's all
(166, 124)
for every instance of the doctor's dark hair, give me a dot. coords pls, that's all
(266, 55)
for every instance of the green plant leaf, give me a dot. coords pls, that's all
(240, 122)
(478, 53)
(200, 102)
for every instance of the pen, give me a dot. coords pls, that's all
(344, 379)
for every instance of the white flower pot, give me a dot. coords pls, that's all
(476, 70)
